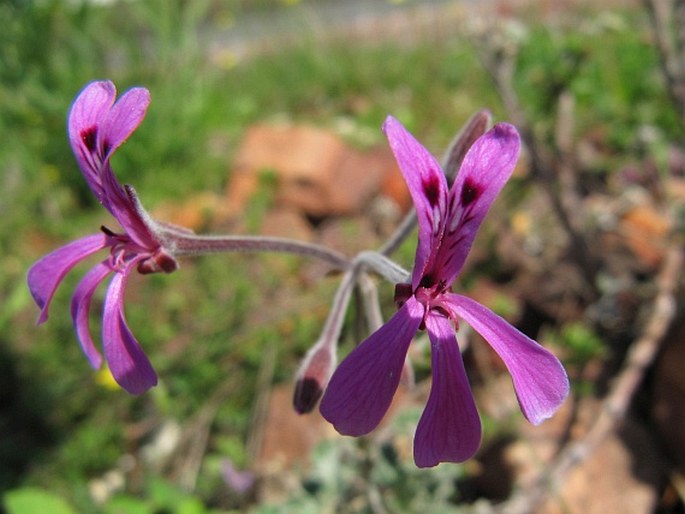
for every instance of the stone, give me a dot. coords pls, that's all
(286, 222)
(393, 185)
(645, 230)
(345, 189)
(197, 213)
(315, 171)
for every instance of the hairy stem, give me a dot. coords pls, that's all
(181, 244)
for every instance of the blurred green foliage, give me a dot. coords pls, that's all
(208, 327)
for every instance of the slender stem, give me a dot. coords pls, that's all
(333, 325)
(180, 244)
(382, 265)
(372, 307)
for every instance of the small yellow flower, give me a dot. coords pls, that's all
(105, 378)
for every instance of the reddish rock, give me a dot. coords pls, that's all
(645, 229)
(294, 152)
(394, 187)
(286, 222)
(315, 170)
(197, 213)
(344, 189)
(240, 189)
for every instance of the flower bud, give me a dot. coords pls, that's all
(313, 376)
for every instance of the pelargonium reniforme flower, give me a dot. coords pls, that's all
(361, 389)
(97, 126)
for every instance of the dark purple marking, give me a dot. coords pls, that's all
(106, 145)
(427, 281)
(308, 391)
(89, 137)
(402, 293)
(431, 188)
(470, 192)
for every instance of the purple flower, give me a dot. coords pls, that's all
(361, 389)
(240, 482)
(97, 127)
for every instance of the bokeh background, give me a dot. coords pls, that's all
(265, 118)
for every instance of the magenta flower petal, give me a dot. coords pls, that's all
(539, 379)
(361, 389)
(428, 188)
(80, 310)
(85, 117)
(97, 127)
(46, 274)
(449, 429)
(486, 168)
(128, 363)
(124, 118)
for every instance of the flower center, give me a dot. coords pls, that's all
(124, 250)
(429, 293)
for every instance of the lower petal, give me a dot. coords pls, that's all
(449, 429)
(46, 274)
(128, 363)
(539, 378)
(361, 388)
(80, 310)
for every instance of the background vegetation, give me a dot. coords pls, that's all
(209, 329)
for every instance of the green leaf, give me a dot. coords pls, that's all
(29, 500)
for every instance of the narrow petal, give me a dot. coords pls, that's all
(449, 429)
(128, 363)
(46, 274)
(123, 119)
(486, 168)
(539, 378)
(361, 389)
(97, 127)
(87, 113)
(428, 188)
(80, 310)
